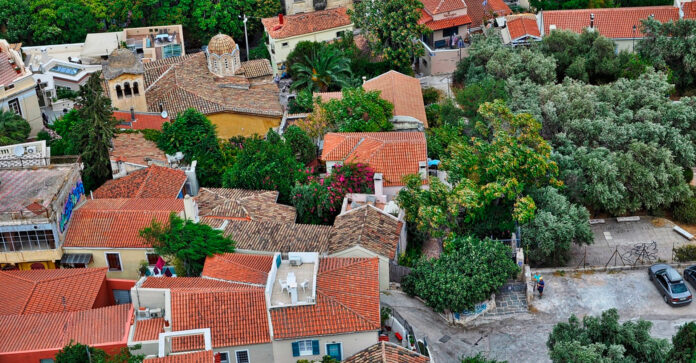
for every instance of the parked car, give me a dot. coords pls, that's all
(690, 275)
(670, 284)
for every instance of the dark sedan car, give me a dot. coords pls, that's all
(670, 284)
(690, 275)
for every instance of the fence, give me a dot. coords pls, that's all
(18, 162)
(397, 272)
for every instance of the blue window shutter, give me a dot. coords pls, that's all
(315, 347)
(295, 349)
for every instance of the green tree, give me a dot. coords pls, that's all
(265, 164)
(15, 18)
(357, 111)
(96, 131)
(667, 47)
(194, 135)
(301, 145)
(322, 71)
(390, 27)
(303, 50)
(187, 241)
(13, 128)
(604, 339)
(303, 102)
(684, 345)
(463, 276)
(479, 358)
(67, 127)
(79, 353)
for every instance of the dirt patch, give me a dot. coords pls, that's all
(659, 222)
(579, 274)
(559, 273)
(533, 310)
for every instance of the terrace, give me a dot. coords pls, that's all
(294, 281)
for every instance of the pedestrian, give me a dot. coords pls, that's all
(540, 287)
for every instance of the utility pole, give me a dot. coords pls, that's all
(246, 37)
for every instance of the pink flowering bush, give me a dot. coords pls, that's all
(319, 201)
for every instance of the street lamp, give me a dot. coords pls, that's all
(633, 45)
(246, 37)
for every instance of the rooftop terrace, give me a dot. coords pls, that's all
(282, 289)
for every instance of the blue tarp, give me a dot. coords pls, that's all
(433, 162)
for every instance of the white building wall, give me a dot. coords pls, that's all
(350, 344)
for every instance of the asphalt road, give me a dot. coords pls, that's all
(523, 338)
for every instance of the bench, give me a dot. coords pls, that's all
(628, 219)
(596, 221)
(683, 232)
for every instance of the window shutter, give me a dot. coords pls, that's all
(315, 347)
(295, 349)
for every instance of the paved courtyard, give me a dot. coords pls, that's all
(628, 238)
(522, 337)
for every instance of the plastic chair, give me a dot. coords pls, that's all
(304, 285)
(283, 286)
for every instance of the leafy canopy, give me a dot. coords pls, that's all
(186, 241)
(76, 352)
(13, 128)
(323, 70)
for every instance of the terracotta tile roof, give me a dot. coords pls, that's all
(442, 6)
(205, 356)
(17, 47)
(402, 91)
(521, 26)
(143, 120)
(47, 291)
(151, 182)
(236, 317)
(478, 12)
(300, 24)
(368, 227)
(444, 23)
(394, 154)
(148, 329)
(134, 148)
(615, 23)
(115, 223)
(239, 267)
(246, 204)
(328, 96)
(192, 283)
(347, 300)
(689, 9)
(187, 83)
(107, 325)
(7, 72)
(386, 352)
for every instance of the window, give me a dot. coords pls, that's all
(227, 63)
(14, 106)
(46, 360)
(113, 261)
(127, 90)
(135, 88)
(340, 34)
(450, 31)
(119, 91)
(152, 258)
(27, 240)
(335, 351)
(242, 356)
(285, 44)
(224, 357)
(305, 347)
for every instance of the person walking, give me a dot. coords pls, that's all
(540, 287)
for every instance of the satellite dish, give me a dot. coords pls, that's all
(179, 155)
(164, 114)
(19, 150)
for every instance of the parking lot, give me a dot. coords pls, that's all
(522, 337)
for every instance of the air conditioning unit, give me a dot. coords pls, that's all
(156, 313)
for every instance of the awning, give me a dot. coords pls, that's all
(70, 258)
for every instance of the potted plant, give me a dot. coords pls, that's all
(412, 341)
(385, 314)
(144, 267)
(17, 69)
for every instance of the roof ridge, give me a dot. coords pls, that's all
(142, 185)
(354, 261)
(160, 76)
(366, 320)
(384, 353)
(249, 267)
(29, 295)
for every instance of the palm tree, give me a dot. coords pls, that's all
(13, 128)
(323, 70)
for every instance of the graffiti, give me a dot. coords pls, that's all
(70, 203)
(478, 309)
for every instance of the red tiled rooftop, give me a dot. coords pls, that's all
(148, 329)
(615, 23)
(143, 120)
(135, 149)
(299, 24)
(347, 300)
(47, 291)
(239, 267)
(151, 182)
(522, 26)
(192, 283)
(205, 356)
(394, 154)
(386, 352)
(47, 331)
(479, 12)
(444, 23)
(442, 6)
(402, 91)
(115, 223)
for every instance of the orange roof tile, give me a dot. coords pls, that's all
(689, 9)
(305, 23)
(151, 182)
(107, 325)
(148, 329)
(368, 227)
(192, 283)
(47, 291)
(386, 352)
(239, 267)
(522, 26)
(347, 301)
(442, 6)
(205, 356)
(394, 154)
(478, 12)
(235, 317)
(225, 203)
(402, 91)
(614, 23)
(115, 223)
(143, 120)
(444, 23)
(134, 148)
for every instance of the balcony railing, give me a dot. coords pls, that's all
(20, 162)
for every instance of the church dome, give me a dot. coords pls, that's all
(122, 58)
(221, 44)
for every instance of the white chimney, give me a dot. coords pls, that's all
(423, 169)
(190, 209)
(379, 184)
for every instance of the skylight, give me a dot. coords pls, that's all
(65, 70)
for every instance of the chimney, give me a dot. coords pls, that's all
(379, 184)
(132, 114)
(190, 209)
(423, 169)
(280, 19)
(591, 20)
(364, 79)
(161, 108)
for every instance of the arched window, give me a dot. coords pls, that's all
(119, 92)
(135, 88)
(215, 64)
(127, 90)
(227, 63)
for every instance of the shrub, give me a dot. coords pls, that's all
(431, 95)
(688, 174)
(432, 114)
(302, 103)
(151, 135)
(685, 253)
(685, 212)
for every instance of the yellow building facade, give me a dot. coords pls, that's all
(231, 124)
